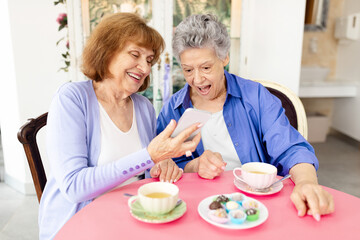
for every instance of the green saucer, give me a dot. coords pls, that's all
(139, 213)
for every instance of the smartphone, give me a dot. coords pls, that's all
(191, 116)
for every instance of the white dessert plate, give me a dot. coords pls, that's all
(203, 209)
(246, 188)
(143, 216)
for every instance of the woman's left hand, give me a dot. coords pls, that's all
(310, 198)
(166, 171)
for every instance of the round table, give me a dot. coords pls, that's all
(108, 217)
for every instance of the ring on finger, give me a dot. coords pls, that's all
(188, 153)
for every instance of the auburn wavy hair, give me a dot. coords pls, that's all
(110, 36)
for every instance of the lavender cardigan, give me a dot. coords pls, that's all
(73, 147)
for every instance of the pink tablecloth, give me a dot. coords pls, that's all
(108, 217)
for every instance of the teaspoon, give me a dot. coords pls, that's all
(267, 189)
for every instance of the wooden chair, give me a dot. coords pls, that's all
(27, 136)
(292, 104)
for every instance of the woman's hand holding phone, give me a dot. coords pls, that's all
(190, 117)
(178, 139)
(164, 146)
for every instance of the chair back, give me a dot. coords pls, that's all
(27, 136)
(294, 109)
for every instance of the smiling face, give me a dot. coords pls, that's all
(130, 67)
(204, 72)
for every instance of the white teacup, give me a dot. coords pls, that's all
(256, 174)
(157, 197)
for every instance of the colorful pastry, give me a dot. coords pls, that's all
(222, 199)
(237, 216)
(215, 205)
(231, 205)
(252, 214)
(249, 203)
(238, 197)
(219, 215)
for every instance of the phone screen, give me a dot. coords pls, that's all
(190, 117)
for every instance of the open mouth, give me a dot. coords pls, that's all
(204, 89)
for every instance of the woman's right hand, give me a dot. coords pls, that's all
(209, 165)
(163, 146)
(166, 171)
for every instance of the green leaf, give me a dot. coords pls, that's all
(61, 27)
(57, 43)
(65, 69)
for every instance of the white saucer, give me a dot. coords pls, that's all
(245, 188)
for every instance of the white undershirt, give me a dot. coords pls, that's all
(215, 137)
(115, 143)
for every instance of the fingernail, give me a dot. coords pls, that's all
(175, 181)
(161, 180)
(171, 181)
(317, 217)
(299, 213)
(223, 167)
(200, 125)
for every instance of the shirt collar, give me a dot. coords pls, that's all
(184, 97)
(233, 85)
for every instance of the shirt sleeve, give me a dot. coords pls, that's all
(285, 146)
(153, 131)
(69, 153)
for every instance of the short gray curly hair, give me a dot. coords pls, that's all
(198, 31)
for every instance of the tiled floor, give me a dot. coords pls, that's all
(339, 160)
(339, 169)
(18, 218)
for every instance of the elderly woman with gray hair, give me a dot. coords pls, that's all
(248, 123)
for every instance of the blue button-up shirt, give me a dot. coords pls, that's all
(257, 124)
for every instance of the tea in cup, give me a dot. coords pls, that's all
(256, 174)
(157, 197)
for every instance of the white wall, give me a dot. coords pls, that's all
(271, 41)
(30, 61)
(347, 117)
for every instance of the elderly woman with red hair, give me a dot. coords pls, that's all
(100, 133)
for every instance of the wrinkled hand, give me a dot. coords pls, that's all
(310, 198)
(164, 146)
(211, 165)
(167, 171)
